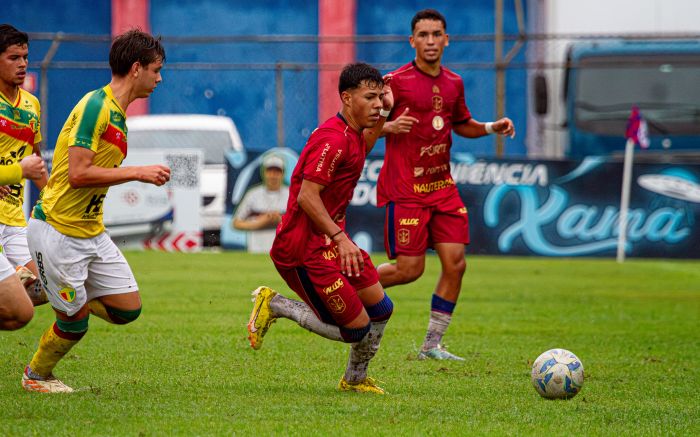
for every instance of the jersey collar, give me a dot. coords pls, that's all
(110, 94)
(423, 72)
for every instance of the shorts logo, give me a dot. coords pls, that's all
(462, 210)
(409, 222)
(67, 294)
(336, 304)
(331, 253)
(403, 236)
(335, 286)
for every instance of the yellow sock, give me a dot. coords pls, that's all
(52, 348)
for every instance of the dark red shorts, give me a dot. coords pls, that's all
(412, 230)
(331, 294)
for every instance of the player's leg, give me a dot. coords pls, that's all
(311, 313)
(405, 240)
(17, 251)
(63, 268)
(16, 310)
(379, 309)
(450, 232)
(111, 287)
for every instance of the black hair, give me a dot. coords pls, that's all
(10, 36)
(354, 74)
(428, 14)
(134, 46)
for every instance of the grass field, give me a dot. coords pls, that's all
(185, 367)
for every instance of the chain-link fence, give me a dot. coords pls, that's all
(269, 84)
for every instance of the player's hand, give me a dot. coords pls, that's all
(402, 124)
(351, 261)
(504, 126)
(33, 167)
(388, 96)
(155, 174)
(4, 191)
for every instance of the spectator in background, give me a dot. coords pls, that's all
(262, 206)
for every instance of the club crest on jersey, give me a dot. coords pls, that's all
(336, 304)
(438, 122)
(437, 103)
(67, 294)
(403, 236)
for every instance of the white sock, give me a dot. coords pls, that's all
(436, 329)
(363, 351)
(304, 316)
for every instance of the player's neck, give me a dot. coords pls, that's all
(9, 92)
(350, 122)
(429, 68)
(122, 90)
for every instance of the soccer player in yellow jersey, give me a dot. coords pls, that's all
(19, 137)
(81, 269)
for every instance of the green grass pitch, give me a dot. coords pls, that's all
(185, 366)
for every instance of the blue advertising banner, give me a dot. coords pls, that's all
(547, 208)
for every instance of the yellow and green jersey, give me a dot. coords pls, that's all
(19, 132)
(97, 123)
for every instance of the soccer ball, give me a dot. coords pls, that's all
(557, 374)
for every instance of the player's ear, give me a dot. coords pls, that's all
(346, 98)
(447, 40)
(411, 41)
(135, 69)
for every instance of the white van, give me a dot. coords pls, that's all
(213, 134)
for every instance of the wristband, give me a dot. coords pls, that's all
(336, 234)
(384, 113)
(489, 127)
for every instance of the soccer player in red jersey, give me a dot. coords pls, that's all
(423, 206)
(339, 286)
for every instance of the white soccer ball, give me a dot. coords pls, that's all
(557, 374)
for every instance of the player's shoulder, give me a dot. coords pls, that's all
(29, 98)
(403, 71)
(451, 75)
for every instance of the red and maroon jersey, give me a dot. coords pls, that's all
(416, 168)
(334, 157)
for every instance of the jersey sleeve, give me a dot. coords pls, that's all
(326, 153)
(10, 174)
(92, 121)
(460, 113)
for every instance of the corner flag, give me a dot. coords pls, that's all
(637, 129)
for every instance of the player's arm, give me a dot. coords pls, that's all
(309, 199)
(41, 182)
(475, 129)
(82, 173)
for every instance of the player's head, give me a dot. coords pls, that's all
(429, 35)
(361, 91)
(13, 55)
(273, 171)
(139, 57)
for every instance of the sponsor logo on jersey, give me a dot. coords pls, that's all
(438, 169)
(462, 210)
(433, 149)
(67, 294)
(319, 166)
(336, 304)
(433, 186)
(331, 167)
(418, 172)
(438, 122)
(331, 253)
(334, 286)
(403, 236)
(409, 222)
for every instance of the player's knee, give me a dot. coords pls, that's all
(122, 317)
(382, 310)
(410, 272)
(456, 268)
(353, 335)
(16, 316)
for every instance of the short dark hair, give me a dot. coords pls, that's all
(428, 14)
(134, 46)
(354, 74)
(10, 36)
